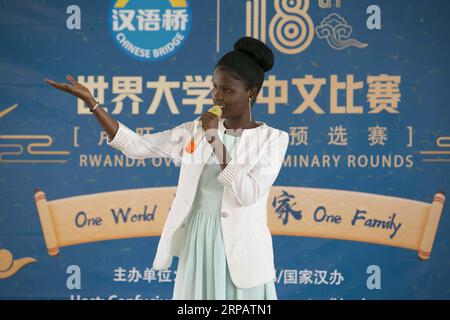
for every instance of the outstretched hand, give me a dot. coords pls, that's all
(74, 88)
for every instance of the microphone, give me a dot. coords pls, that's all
(199, 134)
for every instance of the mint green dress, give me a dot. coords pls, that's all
(202, 272)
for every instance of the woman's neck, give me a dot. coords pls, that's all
(239, 123)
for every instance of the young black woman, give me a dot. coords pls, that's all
(217, 224)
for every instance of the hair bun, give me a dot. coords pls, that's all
(257, 50)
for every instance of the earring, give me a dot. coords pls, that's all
(249, 108)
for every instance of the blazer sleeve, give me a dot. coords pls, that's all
(248, 187)
(164, 144)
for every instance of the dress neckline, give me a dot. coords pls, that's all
(260, 124)
(230, 135)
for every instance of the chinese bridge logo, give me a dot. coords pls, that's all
(150, 30)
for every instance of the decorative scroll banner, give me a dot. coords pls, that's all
(356, 216)
(103, 216)
(293, 211)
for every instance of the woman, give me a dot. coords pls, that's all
(217, 224)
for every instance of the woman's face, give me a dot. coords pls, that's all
(230, 93)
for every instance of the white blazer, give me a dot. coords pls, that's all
(247, 180)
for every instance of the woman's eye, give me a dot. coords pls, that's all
(225, 89)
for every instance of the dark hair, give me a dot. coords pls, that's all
(248, 62)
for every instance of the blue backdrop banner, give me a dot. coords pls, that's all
(358, 210)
